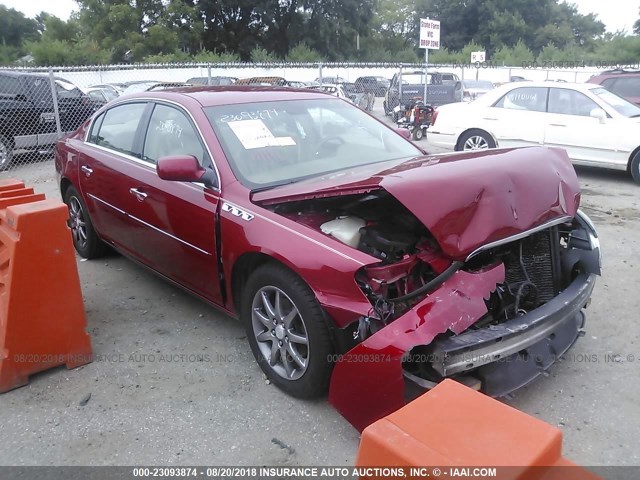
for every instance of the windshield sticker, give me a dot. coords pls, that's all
(264, 114)
(255, 134)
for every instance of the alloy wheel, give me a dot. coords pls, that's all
(280, 332)
(77, 222)
(476, 142)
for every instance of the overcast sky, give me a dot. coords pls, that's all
(615, 14)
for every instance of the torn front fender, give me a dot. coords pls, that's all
(367, 381)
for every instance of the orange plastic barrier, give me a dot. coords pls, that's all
(455, 427)
(42, 319)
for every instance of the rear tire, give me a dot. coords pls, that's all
(6, 154)
(634, 168)
(85, 240)
(286, 331)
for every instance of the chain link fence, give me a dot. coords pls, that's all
(40, 105)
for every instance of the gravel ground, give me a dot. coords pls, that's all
(174, 381)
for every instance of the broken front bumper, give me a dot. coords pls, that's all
(368, 381)
(508, 356)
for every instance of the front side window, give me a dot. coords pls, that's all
(570, 102)
(119, 126)
(171, 133)
(532, 99)
(272, 143)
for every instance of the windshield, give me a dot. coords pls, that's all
(274, 143)
(619, 104)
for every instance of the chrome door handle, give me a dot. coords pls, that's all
(140, 195)
(87, 171)
(557, 125)
(489, 118)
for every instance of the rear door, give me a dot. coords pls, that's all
(108, 163)
(175, 229)
(518, 118)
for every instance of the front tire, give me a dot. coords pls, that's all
(418, 133)
(634, 168)
(286, 331)
(85, 240)
(476, 140)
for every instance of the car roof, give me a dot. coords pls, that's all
(582, 87)
(210, 96)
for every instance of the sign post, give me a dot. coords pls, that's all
(429, 38)
(478, 57)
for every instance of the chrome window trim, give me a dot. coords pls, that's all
(519, 236)
(156, 100)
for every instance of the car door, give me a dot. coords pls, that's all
(108, 161)
(176, 221)
(585, 138)
(518, 118)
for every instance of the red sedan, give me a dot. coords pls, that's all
(358, 264)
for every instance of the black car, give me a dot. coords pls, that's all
(27, 115)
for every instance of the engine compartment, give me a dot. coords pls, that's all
(378, 225)
(411, 263)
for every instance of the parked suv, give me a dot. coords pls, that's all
(27, 118)
(379, 85)
(624, 83)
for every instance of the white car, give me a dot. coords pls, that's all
(595, 126)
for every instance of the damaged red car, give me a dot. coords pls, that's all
(359, 265)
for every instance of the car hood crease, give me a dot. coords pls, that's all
(466, 200)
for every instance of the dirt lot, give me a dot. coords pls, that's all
(174, 381)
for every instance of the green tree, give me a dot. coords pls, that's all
(303, 53)
(15, 30)
(502, 23)
(513, 56)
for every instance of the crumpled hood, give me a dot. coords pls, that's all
(466, 200)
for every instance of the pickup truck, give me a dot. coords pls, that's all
(442, 88)
(27, 118)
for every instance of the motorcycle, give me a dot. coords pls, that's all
(416, 117)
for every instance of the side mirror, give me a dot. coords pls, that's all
(598, 113)
(185, 168)
(403, 132)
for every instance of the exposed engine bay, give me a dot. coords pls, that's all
(411, 263)
(377, 224)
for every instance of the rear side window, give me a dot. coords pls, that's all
(119, 126)
(532, 99)
(93, 134)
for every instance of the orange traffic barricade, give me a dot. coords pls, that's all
(42, 318)
(455, 431)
